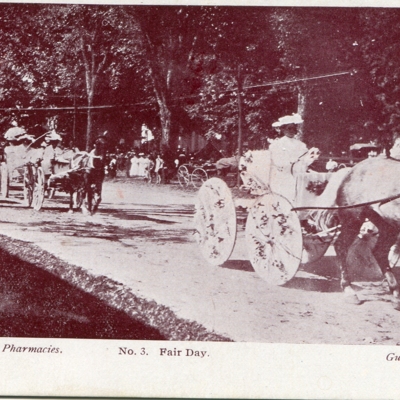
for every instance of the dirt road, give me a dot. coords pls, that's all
(141, 242)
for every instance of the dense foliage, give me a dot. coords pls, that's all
(178, 69)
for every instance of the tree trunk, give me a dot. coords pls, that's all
(165, 115)
(89, 123)
(165, 119)
(301, 105)
(91, 72)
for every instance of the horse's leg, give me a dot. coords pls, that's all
(97, 189)
(71, 201)
(85, 193)
(89, 199)
(96, 196)
(386, 239)
(348, 234)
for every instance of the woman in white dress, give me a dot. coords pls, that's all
(141, 165)
(284, 152)
(133, 171)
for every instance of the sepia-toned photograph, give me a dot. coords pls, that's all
(180, 183)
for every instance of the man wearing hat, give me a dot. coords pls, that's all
(51, 140)
(284, 152)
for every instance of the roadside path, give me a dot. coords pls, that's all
(143, 239)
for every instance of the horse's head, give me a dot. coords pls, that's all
(100, 147)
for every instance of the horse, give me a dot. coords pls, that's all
(72, 180)
(94, 176)
(369, 191)
(83, 180)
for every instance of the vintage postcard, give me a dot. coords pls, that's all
(200, 199)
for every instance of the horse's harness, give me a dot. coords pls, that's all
(367, 203)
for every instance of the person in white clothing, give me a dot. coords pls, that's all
(158, 168)
(331, 165)
(148, 168)
(134, 166)
(141, 165)
(284, 152)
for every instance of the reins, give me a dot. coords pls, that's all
(368, 203)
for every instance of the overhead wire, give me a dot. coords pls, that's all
(111, 106)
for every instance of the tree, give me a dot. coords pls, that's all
(91, 42)
(171, 37)
(239, 36)
(318, 42)
(379, 49)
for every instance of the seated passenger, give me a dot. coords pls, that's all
(284, 152)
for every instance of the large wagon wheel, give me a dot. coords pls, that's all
(28, 185)
(198, 177)
(274, 239)
(4, 183)
(183, 175)
(38, 190)
(215, 221)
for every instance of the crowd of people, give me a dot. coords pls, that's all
(162, 166)
(151, 166)
(154, 167)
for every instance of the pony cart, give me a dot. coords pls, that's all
(278, 237)
(36, 171)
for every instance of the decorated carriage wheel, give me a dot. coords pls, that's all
(183, 175)
(4, 180)
(215, 221)
(274, 239)
(198, 177)
(38, 190)
(28, 185)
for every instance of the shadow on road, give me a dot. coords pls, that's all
(240, 265)
(35, 303)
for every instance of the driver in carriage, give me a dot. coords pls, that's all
(17, 142)
(17, 135)
(285, 152)
(51, 152)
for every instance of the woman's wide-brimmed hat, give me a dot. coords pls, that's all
(14, 133)
(287, 120)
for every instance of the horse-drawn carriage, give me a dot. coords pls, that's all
(41, 169)
(278, 238)
(328, 208)
(196, 173)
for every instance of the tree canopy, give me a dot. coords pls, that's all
(179, 68)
